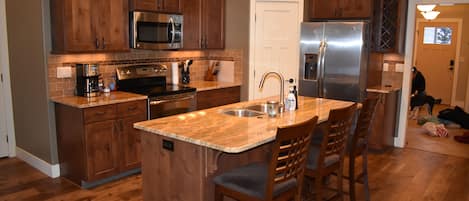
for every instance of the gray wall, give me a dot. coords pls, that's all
(237, 35)
(27, 45)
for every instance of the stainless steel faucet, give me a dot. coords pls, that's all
(282, 86)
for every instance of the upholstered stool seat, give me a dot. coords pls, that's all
(278, 180)
(313, 157)
(252, 180)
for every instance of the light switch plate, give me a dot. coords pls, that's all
(399, 67)
(385, 67)
(64, 72)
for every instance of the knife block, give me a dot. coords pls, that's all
(209, 75)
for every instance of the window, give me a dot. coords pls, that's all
(437, 35)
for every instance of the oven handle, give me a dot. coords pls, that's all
(172, 100)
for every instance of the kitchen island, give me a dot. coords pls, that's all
(182, 153)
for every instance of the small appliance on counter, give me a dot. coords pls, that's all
(185, 73)
(87, 80)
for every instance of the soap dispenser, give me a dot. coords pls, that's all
(290, 103)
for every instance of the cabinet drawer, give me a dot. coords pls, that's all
(100, 113)
(132, 108)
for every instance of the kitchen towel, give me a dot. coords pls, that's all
(175, 72)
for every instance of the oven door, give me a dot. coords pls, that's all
(163, 106)
(156, 30)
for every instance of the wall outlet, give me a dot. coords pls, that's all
(399, 68)
(64, 72)
(385, 67)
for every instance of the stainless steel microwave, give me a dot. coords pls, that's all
(150, 30)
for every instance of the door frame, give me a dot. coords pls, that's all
(406, 82)
(5, 69)
(454, 85)
(252, 36)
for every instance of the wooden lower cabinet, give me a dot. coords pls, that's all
(218, 97)
(98, 142)
(384, 125)
(102, 149)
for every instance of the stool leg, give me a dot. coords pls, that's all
(351, 176)
(365, 175)
(318, 187)
(218, 194)
(340, 186)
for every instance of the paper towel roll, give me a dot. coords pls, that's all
(175, 72)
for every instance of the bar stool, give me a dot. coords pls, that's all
(326, 155)
(359, 147)
(281, 178)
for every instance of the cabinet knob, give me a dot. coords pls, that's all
(104, 44)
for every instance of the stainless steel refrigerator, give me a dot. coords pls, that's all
(333, 59)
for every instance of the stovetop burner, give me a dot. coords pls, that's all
(169, 89)
(148, 80)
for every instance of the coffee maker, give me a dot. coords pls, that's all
(87, 80)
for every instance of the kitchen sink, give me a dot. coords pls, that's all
(242, 112)
(259, 107)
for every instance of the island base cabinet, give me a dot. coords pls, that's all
(174, 170)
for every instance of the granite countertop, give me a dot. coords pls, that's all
(383, 89)
(103, 99)
(209, 85)
(211, 128)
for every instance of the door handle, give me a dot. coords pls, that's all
(97, 43)
(451, 64)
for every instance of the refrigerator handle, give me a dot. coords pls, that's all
(321, 58)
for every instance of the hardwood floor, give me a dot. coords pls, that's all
(398, 174)
(417, 139)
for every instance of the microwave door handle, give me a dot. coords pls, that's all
(173, 30)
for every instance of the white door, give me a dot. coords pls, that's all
(276, 45)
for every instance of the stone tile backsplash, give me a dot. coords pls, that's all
(109, 61)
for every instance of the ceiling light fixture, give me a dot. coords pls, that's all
(427, 11)
(430, 15)
(426, 7)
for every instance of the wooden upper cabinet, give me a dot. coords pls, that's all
(389, 26)
(213, 17)
(322, 9)
(340, 9)
(203, 24)
(89, 26)
(356, 8)
(168, 6)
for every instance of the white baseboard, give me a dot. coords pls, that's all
(459, 103)
(43, 166)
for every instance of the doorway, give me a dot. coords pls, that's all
(436, 56)
(274, 44)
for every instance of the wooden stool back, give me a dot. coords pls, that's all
(289, 154)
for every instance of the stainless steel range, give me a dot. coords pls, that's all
(163, 99)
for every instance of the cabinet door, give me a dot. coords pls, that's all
(130, 142)
(214, 24)
(78, 32)
(101, 149)
(112, 20)
(170, 6)
(146, 5)
(323, 9)
(191, 9)
(356, 8)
